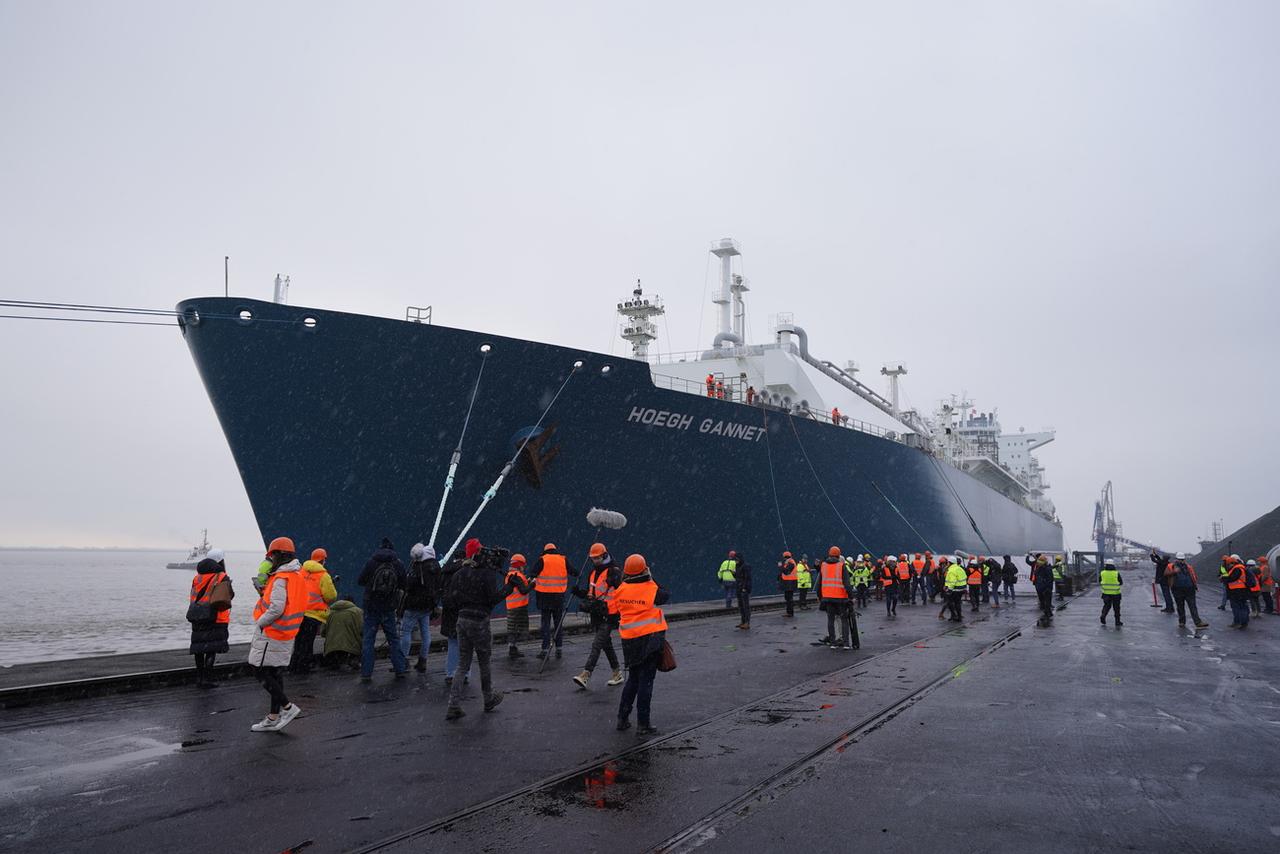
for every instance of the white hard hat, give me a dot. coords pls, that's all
(1110, 563)
(215, 554)
(1251, 563)
(1180, 556)
(1235, 557)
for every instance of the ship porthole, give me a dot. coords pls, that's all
(245, 315)
(309, 322)
(485, 348)
(604, 372)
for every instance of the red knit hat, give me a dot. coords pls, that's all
(472, 546)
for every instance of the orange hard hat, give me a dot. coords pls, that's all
(517, 560)
(635, 565)
(281, 544)
(319, 555)
(786, 554)
(597, 549)
(549, 547)
(834, 551)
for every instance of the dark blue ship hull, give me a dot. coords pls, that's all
(343, 430)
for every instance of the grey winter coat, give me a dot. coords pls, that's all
(263, 651)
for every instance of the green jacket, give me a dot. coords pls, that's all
(344, 630)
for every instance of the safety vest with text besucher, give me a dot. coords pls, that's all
(638, 616)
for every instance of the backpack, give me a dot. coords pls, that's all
(1182, 577)
(384, 582)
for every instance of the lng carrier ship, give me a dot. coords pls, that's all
(347, 428)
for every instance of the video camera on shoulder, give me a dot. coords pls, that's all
(493, 558)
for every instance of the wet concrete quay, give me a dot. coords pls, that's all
(997, 735)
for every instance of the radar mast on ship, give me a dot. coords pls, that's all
(638, 313)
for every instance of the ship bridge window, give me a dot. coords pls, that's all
(245, 315)
(309, 322)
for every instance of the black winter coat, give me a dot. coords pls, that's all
(448, 610)
(422, 585)
(386, 553)
(742, 574)
(473, 592)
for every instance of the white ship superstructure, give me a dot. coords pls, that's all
(784, 375)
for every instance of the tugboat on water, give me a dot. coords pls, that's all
(197, 554)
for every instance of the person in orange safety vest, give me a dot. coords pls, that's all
(276, 620)
(598, 597)
(643, 629)
(550, 576)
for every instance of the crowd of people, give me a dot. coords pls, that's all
(298, 602)
(1248, 587)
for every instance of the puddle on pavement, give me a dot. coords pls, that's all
(610, 786)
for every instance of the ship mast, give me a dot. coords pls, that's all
(638, 328)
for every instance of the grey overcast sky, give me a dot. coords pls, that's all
(1068, 210)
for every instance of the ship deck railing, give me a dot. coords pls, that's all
(735, 391)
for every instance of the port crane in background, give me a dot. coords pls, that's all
(1109, 536)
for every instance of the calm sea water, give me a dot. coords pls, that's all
(76, 603)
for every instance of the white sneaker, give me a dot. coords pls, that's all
(267, 724)
(287, 714)
(618, 679)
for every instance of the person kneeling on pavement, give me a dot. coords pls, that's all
(643, 629)
(474, 591)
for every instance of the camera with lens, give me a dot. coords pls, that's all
(492, 557)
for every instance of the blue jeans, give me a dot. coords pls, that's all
(420, 620)
(547, 619)
(451, 659)
(1240, 610)
(639, 690)
(375, 619)
(730, 592)
(1008, 591)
